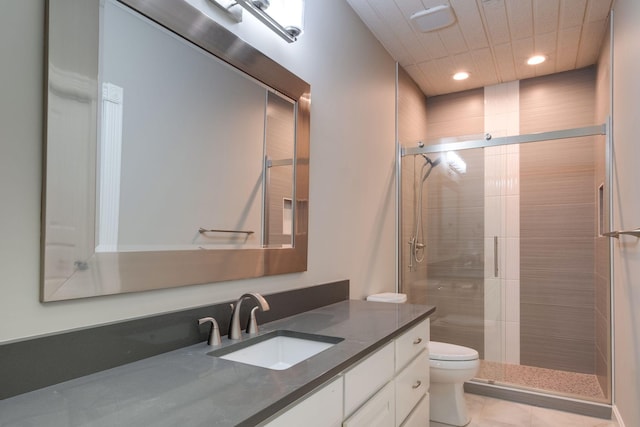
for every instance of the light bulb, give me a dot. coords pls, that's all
(461, 75)
(536, 59)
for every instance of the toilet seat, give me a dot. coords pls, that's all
(451, 352)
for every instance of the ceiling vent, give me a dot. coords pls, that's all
(433, 18)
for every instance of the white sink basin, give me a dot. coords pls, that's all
(277, 350)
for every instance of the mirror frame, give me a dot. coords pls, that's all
(142, 271)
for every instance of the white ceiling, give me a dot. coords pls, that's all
(491, 39)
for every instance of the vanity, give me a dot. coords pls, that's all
(378, 371)
(387, 388)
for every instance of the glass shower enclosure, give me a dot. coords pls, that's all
(505, 237)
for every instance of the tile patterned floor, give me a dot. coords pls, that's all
(490, 412)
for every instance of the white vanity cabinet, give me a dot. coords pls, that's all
(389, 388)
(323, 408)
(402, 366)
(367, 377)
(411, 384)
(379, 411)
(419, 417)
(412, 374)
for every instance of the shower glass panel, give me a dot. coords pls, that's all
(507, 244)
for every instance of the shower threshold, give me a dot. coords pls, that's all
(549, 388)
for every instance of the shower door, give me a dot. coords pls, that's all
(507, 244)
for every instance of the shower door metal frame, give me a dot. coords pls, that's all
(489, 141)
(549, 400)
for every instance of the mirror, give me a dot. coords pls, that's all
(176, 154)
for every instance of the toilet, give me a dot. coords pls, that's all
(450, 366)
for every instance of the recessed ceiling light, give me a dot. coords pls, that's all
(536, 59)
(462, 75)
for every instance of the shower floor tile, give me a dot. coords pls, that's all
(569, 383)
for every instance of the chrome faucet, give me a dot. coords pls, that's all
(214, 333)
(235, 332)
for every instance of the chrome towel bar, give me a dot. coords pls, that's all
(617, 234)
(205, 230)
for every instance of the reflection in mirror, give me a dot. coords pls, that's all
(158, 151)
(165, 86)
(280, 138)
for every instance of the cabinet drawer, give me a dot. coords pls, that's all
(367, 377)
(411, 385)
(412, 342)
(379, 411)
(420, 415)
(323, 408)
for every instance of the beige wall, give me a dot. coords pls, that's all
(626, 209)
(351, 218)
(557, 217)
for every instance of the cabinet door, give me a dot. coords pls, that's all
(367, 377)
(420, 415)
(412, 342)
(321, 409)
(379, 411)
(411, 385)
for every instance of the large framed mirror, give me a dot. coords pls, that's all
(175, 153)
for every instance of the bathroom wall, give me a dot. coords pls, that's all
(558, 213)
(412, 128)
(502, 226)
(351, 209)
(626, 210)
(454, 225)
(457, 114)
(455, 232)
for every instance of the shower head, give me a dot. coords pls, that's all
(433, 163)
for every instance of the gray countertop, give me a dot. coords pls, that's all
(187, 387)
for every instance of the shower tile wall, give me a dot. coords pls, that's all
(557, 205)
(454, 219)
(412, 127)
(502, 226)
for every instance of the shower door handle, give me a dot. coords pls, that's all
(495, 256)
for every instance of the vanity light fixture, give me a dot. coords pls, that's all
(230, 7)
(536, 59)
(461, 75)
(283, 17)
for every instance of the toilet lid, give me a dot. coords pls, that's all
(388, 297)
(446, 351)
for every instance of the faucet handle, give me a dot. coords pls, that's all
(214, 334)
(252, 325)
